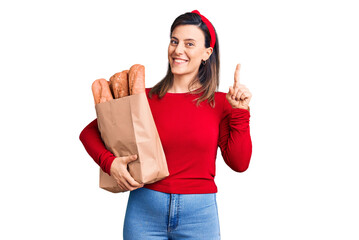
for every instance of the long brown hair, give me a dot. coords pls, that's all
(208, 73)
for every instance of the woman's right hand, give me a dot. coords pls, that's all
(123, 178)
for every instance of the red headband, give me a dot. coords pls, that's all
(210, 28)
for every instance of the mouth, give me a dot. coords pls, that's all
(179, 60)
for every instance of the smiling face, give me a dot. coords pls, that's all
(187, 50)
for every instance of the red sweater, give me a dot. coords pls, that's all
(190, 137)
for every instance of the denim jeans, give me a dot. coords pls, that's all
(154, 215)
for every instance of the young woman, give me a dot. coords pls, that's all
(193, 120)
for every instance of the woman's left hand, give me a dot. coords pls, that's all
(238, 95)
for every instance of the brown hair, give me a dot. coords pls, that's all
(208, 74)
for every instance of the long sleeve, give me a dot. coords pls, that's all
(91, 139)
(234, 137)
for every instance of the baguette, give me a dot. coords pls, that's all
(119, 84)
(136, 79)
(101, 91)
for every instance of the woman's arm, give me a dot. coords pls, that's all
(234, 137)
(91, 139)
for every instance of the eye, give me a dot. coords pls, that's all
(190, 44)
(173, 41)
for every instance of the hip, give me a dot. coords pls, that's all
(180, 216)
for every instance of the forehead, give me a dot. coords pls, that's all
(188, 32)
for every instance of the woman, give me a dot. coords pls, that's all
(192, 120)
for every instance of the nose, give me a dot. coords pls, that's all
(179, 49)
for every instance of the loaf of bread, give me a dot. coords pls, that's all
(101, 91)
(119, 84)
(136, 79)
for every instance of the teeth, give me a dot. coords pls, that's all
(180, 61)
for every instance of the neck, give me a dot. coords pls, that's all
(181, 83)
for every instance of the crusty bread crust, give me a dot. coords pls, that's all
(136, 79)
(101, 91)
(119, 84)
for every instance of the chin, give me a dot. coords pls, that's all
(176, 71)
(181, 71)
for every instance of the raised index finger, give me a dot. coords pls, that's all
(236, 75)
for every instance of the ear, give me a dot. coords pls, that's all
(207, 53)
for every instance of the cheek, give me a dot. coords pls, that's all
(196, 60)
(169, 51)
(196, 56)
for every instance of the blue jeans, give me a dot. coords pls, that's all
(154, 215)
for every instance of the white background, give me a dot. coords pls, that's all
(299, 59)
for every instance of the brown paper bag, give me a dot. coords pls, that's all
(127, 127)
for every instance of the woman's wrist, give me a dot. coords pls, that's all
(248, 109)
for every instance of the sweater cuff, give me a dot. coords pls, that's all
(240, 113)
(106, 167)
(240, 117)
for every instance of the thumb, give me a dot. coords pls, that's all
(131, 158)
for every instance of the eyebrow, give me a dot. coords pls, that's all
(188, 39)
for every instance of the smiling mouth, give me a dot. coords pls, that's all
(179, 60)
